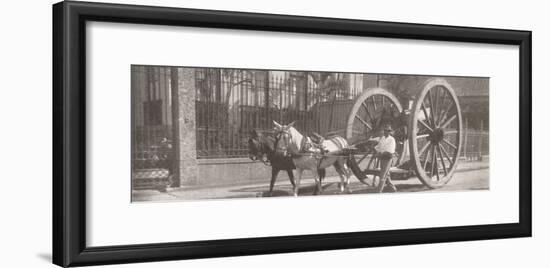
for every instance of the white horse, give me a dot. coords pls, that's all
(289, 142)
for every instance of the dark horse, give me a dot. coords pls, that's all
(262, 148)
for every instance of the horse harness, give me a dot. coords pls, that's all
(313, 146)
(315, 142)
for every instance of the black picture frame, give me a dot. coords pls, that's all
(69, 133)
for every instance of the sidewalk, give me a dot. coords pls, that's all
(260, 189)
(474, 165)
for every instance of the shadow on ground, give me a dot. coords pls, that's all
(331, 188)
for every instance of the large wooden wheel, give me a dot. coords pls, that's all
(374, 108)
(435, 133)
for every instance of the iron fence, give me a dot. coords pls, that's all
(475, 145)
(231, 102)
(152, 132)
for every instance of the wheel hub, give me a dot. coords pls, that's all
(437, 135)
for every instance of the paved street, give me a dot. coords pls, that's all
(474, 178)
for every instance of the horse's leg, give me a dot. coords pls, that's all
(291, 176)
(274, 173)
(340, 171)
(322, 173)
(317, 181)
(347, 173)
(297, 182)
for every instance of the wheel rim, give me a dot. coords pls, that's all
(435, 133)
(370, 111)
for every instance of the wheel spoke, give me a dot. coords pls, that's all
(367, 110)
(423, 149)
(362, 158)
(436, 94)
(431, 107)
(434, 163)
(370, 161)
(426, 125)
(444, 115)
(446, 154)
(363, 121)
(426, 159)
(442, 112)
(441, 158)
(422, 136)
(426, 117)
(444, 125)
(449, 143)
(451, 132)
(374, 102)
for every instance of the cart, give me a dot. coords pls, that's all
(427, 133)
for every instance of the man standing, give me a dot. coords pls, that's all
(385, 149)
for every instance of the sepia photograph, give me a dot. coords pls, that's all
(202, 133)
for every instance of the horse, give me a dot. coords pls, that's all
(262, 148)
(290, 142)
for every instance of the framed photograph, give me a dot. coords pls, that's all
(185, 133)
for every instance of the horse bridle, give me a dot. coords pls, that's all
(261, 146)
(279, 135)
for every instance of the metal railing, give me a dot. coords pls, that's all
(231, 102)
(475, 145)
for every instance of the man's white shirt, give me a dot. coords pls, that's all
(385, 145)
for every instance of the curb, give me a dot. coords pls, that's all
(266, 181)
